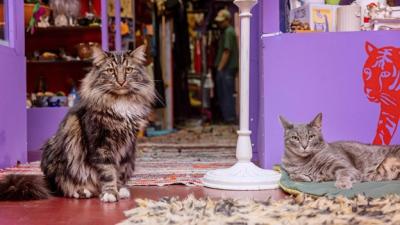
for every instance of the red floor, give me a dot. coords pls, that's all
(57, 211)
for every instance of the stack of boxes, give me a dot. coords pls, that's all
(313, 17)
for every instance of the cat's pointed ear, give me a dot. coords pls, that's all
(98, 56)
(317, 121)
(285, 123)
(369, 48)
(139, 54)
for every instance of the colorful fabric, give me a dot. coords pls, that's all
(179, 164)
(369, 189)
(164, 164)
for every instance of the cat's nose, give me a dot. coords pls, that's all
(121, 83)
(304, 145)
(121, 79)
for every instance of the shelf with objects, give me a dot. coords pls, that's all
(59, 57)
(58, 52)
(2, 22)
(58, 48)
(312, 16)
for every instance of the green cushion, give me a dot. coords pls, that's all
(369, 189)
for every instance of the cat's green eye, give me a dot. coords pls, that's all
(311, 136)
(110, 70)
(295, 138)
(129, 69)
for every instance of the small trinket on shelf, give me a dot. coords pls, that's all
(43, 22)
(72, 97)
(66, 12)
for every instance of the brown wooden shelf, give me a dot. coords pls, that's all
(65, 28)
(58, 74)
(40, 62)
(52, 38)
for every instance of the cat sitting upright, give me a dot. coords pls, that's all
(308, 157)
(92, 153)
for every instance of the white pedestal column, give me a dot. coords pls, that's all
(244, 175)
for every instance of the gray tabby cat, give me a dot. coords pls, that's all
(308, 157)
(92, 153)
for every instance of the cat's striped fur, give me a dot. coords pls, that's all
(92, 153)
(308, 157)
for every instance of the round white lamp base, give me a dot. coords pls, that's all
(242, 176)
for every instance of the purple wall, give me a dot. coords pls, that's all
(304, 74)
(42, 124)
(12, 110)
(270, 13)
(12, 92)
(255, 37)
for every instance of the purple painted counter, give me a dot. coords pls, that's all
(12, 88)
(42, 124)
(12, 111)
(303, 74)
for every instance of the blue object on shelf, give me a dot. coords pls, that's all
(73, 97)
(151, 132)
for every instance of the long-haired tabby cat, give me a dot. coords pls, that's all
(308, 157)
(92, 153)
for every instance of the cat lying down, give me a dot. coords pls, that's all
(308, 157)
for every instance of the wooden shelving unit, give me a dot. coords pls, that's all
(59, 75)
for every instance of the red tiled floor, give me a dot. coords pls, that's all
(57, 211)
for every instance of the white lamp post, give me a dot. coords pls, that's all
(244, 175)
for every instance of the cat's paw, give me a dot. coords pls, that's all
(82, 193)
(109, 196)
(124, 193)
(87, 193)
(75, 194)
(343, 184)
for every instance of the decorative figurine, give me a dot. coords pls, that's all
(44, 22)
(61, 20)
(37, 13)
(379, 17)
(68, 10)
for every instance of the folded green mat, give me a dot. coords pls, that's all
(369, 189)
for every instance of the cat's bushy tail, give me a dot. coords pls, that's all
(23, 187)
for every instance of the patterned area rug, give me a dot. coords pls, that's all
(161, 164)
(179, 158)
(299, 211)
(214, 134)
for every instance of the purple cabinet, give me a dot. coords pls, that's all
(12, 85)
(42, 124)
(304, 74)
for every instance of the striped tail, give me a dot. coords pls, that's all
(23, 187)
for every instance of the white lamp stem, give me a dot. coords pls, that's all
(244, 150)
(244, 175)
(244, 69)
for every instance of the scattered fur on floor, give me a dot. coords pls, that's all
(300, 210)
